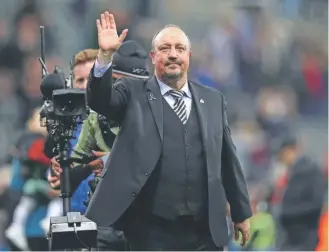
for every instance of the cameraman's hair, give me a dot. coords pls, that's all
(85, 56)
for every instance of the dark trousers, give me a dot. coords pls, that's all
(149, 232)
(109, 239)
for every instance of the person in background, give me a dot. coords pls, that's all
(303, 198)
(33, 164)
(83, 62)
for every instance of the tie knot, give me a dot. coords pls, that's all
(177, 94)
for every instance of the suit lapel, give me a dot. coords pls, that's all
(201, 108)
(154, 98)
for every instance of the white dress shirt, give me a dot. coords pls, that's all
(99, 70)
(171, 101)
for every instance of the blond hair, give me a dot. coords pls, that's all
(85, 56)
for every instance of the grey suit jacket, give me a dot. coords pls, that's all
(137, 106)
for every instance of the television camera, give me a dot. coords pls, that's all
(63, 110)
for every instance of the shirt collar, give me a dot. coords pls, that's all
(165, 88)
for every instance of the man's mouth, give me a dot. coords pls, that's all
(173, 63)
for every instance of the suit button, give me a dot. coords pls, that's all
(187, 202)
(187, 145)
(146, 173)
(133, 194)
(189, 172)
(185, 131)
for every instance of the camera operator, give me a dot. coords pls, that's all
(83, 62)
(97, 137)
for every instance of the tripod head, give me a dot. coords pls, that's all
(63, 110)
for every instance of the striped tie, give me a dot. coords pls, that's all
(179, 105)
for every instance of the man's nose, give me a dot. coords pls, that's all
(172, 54)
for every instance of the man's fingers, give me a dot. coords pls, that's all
(99, 26)
(97, 172)
(54, 161)
(112, 22)
(96, 164)
(107, 18)
(245, 238)
(236, 234)
(99, 153)
(123, 35)
(103, 21)
(52, 179)
(57, 171)
(55, 185)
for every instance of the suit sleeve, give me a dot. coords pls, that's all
(107, 98)
(232, 176)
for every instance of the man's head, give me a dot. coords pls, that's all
(128, 61)
(83, 63)
(171, 53)
(287, 149)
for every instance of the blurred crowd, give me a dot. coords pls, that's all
(269, 58)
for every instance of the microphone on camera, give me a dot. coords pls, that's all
(50, 83)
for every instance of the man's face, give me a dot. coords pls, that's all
(288, 155)
(171, 54)
(81, 74)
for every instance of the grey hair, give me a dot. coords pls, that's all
(165, 27)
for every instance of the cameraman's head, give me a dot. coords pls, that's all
(83, 63)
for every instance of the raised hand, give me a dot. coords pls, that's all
(108, 39)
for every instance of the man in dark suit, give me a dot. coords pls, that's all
(173, 163)
(302, 200)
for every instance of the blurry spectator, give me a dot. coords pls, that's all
(27, 22)
(251, 148)
(276, 110)
(27, 178)
(25, 39)
(30, 84)
(10, 106)
(221, 45)
(302, 200)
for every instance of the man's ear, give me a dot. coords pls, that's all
(152, 56)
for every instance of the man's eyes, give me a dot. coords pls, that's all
(164, 49)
